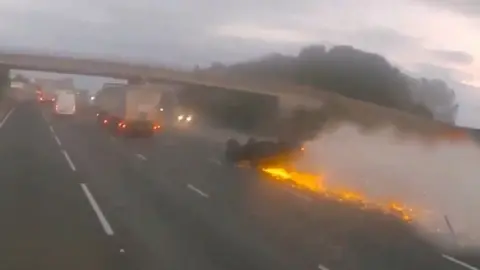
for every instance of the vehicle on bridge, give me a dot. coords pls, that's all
(263, 153)
(129, 110)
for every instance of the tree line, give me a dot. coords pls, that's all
(355, 74)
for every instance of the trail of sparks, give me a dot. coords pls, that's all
(316, 184)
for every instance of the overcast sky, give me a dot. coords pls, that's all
(434, 38)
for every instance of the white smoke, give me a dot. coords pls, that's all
(436, 179)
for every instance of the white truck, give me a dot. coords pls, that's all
(130, 110)
(65, 102)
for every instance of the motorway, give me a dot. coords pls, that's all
(74, 197)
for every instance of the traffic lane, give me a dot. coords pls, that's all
(343, 247)
(343, 234)
(160, 222)
(47, 222)
(469, 259)
(312, 231)
(259, 206)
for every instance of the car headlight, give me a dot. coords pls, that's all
(180, 117)
(189, 118)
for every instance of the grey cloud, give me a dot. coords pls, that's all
(383, 40)
(450, 75)
(159, 30)
(465, 7)
(181, 32)
(455, 57)
(149, 36)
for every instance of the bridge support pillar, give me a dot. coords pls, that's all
(4, 80)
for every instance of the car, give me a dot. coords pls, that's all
(262, 153)
(120, 127)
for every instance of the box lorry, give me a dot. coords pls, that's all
(65, 102)
(130, 110)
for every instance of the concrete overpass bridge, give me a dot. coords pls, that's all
(289, 95)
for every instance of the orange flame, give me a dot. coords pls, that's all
(316, 184)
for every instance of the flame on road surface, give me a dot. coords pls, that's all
(316, 184)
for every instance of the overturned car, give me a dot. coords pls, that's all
(262, 153)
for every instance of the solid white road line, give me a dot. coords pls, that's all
(140, 156)
(103, 220)
(57, 140)
(6, 117)
(203, 194)
(321, 267)
(466, 265)
(51, 129)
(67, 157)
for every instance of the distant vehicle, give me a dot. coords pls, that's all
(45, 95)
(262, 153)
(171, 111)
(130, 110)
(184, 118)
(47, 88)
(65, 103)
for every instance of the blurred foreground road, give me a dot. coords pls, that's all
(74, 197)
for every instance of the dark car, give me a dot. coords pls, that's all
(262, 153)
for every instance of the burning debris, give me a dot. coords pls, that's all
(316, 183)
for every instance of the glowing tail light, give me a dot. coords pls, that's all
(105, 121)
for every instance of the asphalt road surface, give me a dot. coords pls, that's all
(74, 197)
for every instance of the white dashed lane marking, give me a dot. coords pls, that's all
(140, 156)
(67, 157)
(321, 267)
(101, 217)
(6, 117)
(458, 262)
(215, 161)
(57, 140)
(193, 188)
